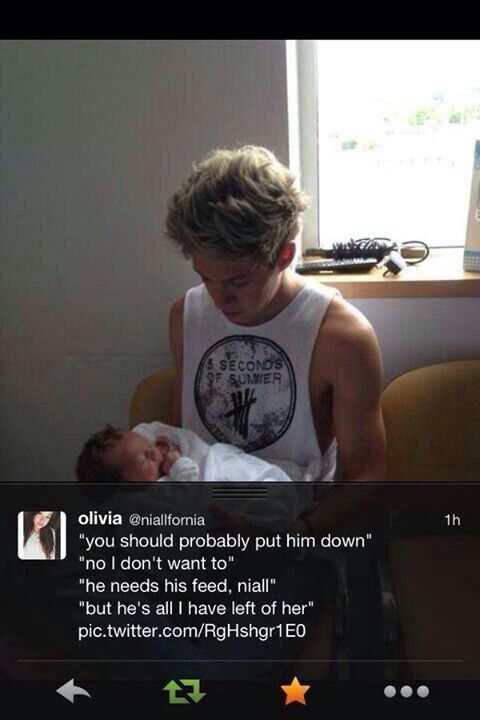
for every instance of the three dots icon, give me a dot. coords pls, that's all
(406, 691)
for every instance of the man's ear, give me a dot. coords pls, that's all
(286, 255)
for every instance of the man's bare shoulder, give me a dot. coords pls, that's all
(176, 349)
(176, 310)
(343, 322)
(176, 329)
(345, 336)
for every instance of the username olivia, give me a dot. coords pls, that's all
(97, 518)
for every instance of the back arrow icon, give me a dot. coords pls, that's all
(69, 690)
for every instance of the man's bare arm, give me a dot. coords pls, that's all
(357, 417)
(354, 369)
(176, 349)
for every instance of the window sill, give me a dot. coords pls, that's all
(441, 275)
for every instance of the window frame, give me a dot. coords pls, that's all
(303, 102)
(303, 134)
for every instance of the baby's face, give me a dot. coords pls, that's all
(137, 459)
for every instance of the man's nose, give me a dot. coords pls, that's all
(223, 298)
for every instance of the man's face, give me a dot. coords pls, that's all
(137, 459)
(242, 291)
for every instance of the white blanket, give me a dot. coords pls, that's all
(221, 463)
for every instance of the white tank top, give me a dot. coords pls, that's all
(249, 385)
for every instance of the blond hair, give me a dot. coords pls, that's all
(239, 203)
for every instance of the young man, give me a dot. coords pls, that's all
(263, 359)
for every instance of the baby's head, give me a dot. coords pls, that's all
(118, 455)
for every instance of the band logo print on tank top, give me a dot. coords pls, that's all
(245, 391)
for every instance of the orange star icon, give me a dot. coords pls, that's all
(295, 692)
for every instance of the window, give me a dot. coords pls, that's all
(393, 125)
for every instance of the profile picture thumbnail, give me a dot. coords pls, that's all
(42, 535)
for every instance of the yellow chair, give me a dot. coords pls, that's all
(432, 419)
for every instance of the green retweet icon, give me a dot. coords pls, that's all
(173, 688)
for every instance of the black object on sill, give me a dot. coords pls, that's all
(356, 265)
(364, 248)
(378, 247)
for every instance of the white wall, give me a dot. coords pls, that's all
(95, 137)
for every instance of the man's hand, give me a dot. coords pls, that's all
(302, 524)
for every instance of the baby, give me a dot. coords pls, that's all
(118, 455)
(154, 451)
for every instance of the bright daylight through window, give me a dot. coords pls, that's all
(397, 124)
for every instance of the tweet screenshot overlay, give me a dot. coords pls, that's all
(197, 593)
